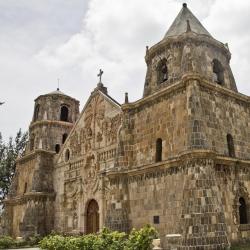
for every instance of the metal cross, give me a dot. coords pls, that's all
(100, 75)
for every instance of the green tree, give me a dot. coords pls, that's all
(8, 154)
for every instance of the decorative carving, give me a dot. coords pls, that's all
(91, 178)
(73, 188)
(110, 128)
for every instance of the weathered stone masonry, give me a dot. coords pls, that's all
(179, 158)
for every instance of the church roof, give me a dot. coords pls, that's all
(186, 21)
(56, 92)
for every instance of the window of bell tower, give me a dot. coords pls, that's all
(36, 112)
(158, 151)
(162, 71)
(64, 114)
(218, 72)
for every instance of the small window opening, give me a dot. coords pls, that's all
(243, 211)
(64, 137)
(158, 156)
(218, 72)
(32, 142)
(25, 188)
(67, 155)
(64, 114)
(57, 148)
(230, 145)
(162, 71)
(36, 112)
(156, 219)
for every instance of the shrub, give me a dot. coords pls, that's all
(53, 242)
(112, 240)
(6, 242)
(141, 239)
(105, 240)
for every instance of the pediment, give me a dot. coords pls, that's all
(96, 128)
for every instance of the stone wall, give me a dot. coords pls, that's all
(234, 183)
(29, 207)
(219, 113)
(163, 117)
(181, 196)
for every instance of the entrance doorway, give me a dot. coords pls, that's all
(92, 217)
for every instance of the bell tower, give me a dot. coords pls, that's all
(29, 208)
(54, 115)
(187, 48)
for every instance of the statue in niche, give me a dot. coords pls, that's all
(99, 137)
(89, 132)
(74, 205)
(75, 221)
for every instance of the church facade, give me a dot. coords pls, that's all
(178, 158)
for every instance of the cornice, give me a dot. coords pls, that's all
(133, 105)
(181, 159)
(51, 123)
(29, 196)
(33, 155)
(185, 81)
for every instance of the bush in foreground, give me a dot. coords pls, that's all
(105, 240)
(6, 242)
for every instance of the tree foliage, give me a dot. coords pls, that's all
(9, 151)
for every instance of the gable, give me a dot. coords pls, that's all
(95, 129)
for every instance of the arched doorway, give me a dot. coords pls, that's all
(92, 225)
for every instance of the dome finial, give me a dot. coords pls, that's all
(58, 84)
(184, 5)
(126, 97)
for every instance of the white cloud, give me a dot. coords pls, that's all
(111, 34)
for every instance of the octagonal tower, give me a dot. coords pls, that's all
(187, 48)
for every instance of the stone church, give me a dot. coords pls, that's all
(178, 158)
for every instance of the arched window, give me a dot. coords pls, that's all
(243, 211)
(64, 137)
(57, 148)
(64, 114)
(162, 71)
(36, 112)
(25, 188)
(67, 155)
(218, 72)
(158, 153)
(230, 145)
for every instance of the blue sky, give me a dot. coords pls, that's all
(42, 40)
